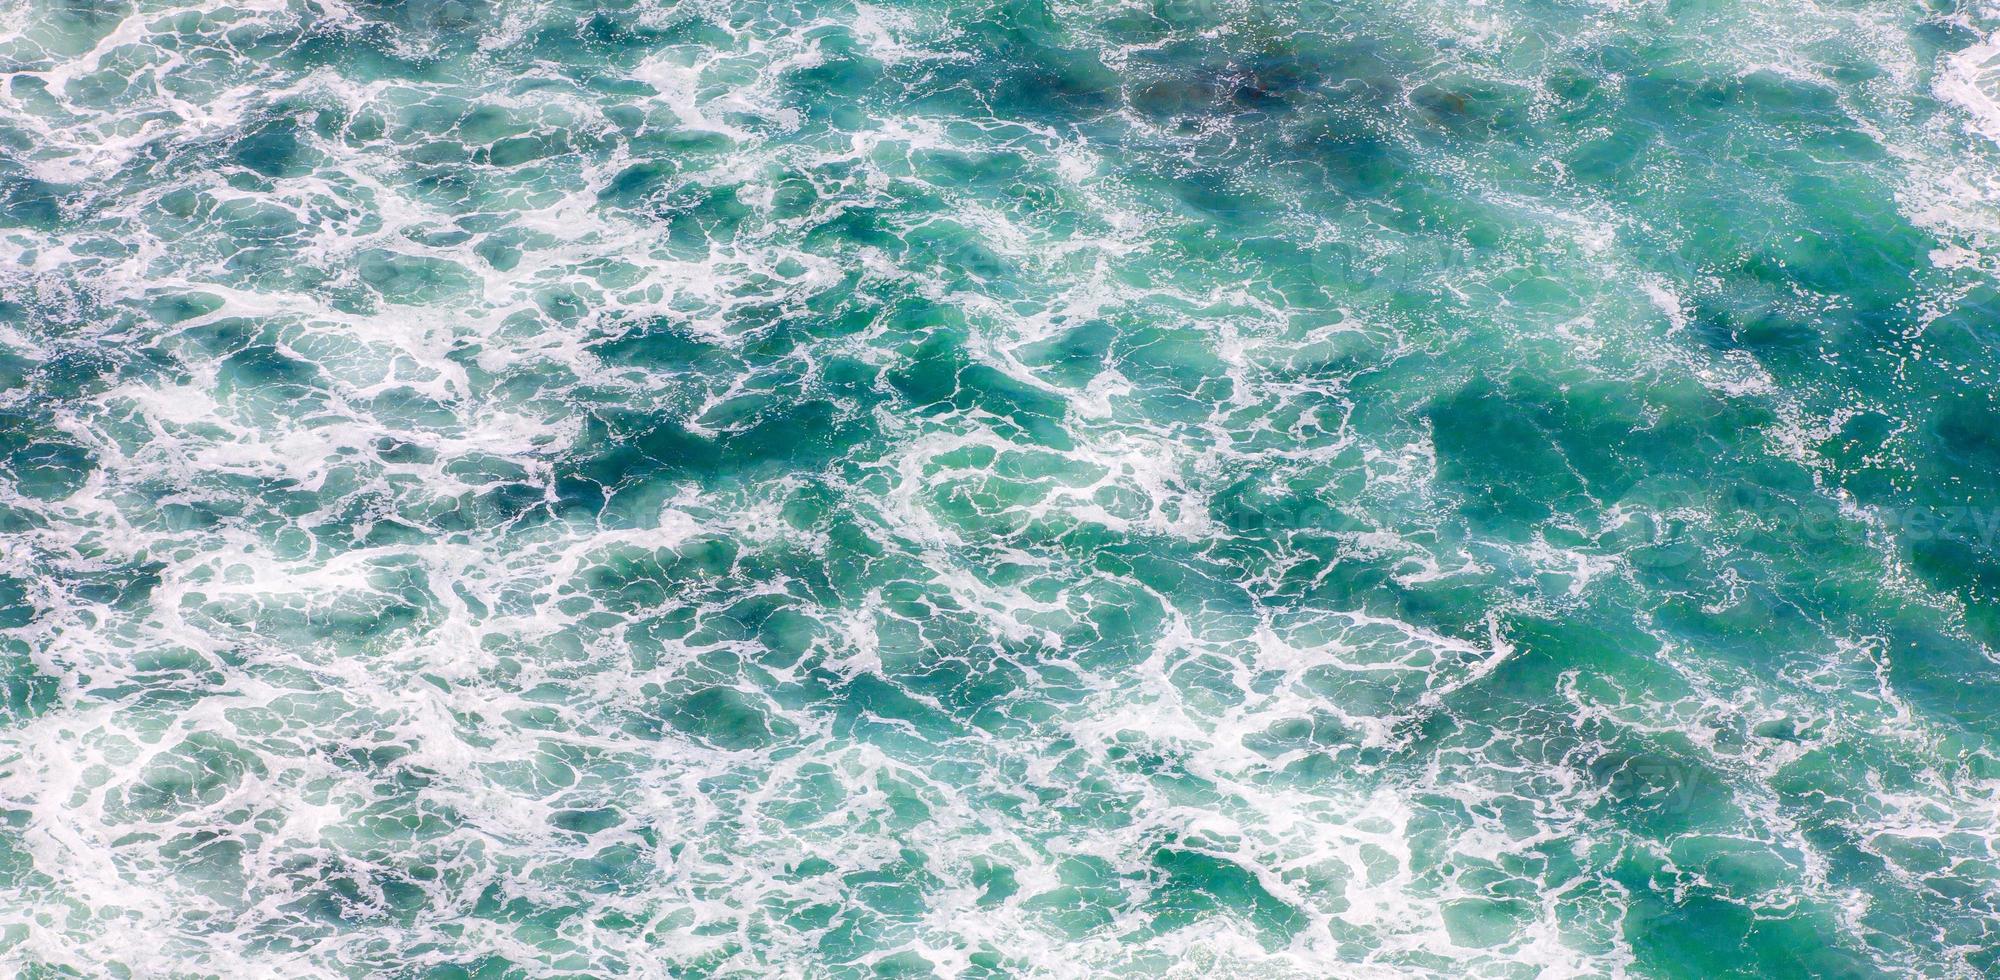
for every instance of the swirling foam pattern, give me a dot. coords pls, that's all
(520, 488)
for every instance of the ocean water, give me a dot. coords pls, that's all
(977, 488)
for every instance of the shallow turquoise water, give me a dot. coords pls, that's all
(530, 488)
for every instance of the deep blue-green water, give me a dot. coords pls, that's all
(975, 488)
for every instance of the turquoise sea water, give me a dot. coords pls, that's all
(527, 488)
